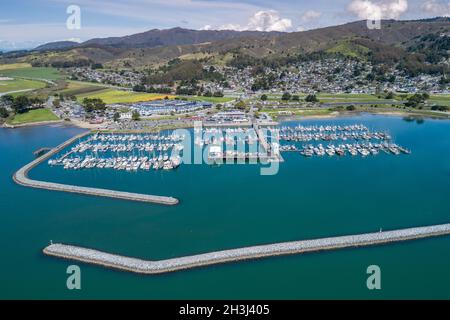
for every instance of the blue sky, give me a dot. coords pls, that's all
(25, 23)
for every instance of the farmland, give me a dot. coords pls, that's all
(14, 66)
(20, 85)
(76, 88)
(31, 73)
(112, 96)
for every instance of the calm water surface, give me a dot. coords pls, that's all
(233, 206)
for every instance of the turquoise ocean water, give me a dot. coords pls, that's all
(231, 206)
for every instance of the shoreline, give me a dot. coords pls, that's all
(335, 115)
(32, 124)
(332, 115)
(148, 267)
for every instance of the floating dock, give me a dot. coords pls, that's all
(21, 178)
(288, 248)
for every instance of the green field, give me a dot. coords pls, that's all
(33, 73)
(442, 100)
(31, 116)
(349, 49)
(112, 96)
(20, 84)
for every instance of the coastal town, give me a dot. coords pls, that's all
(316, 87)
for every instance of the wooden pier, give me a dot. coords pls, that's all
(218, 257)
(21, 178)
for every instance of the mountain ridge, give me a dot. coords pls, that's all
(160, 46)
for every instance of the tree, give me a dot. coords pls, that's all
(95, 104)
(139, 88)
(440, 108)
(311, 98)
(136, 116)
(7, 99)
(56, 103)
(416, 100)
(4, 113)
(241, 105)
(286, 96)
(96, 66)
(20, 104)
(351, 108)
(116, 117)
(264, 97)
(390, 95)
(296, 98)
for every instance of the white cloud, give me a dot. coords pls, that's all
(438, 8)
(268, 20)
(378, 9)
(310, 15)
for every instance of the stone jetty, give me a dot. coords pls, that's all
(21, 178)
(288, 248)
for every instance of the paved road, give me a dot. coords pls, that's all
(17, 91)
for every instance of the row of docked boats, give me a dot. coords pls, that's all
(235, 155)
(104, 137)
(363, 149)
(322, 128)
(344, 136)
(126, 147)
(131, 163)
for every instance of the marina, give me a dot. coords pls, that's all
(123, 152)
(239, 144)
(354, 140)
(257, 252)
(330, 133)
(164, 151)
(21, 178)
(362, 149)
